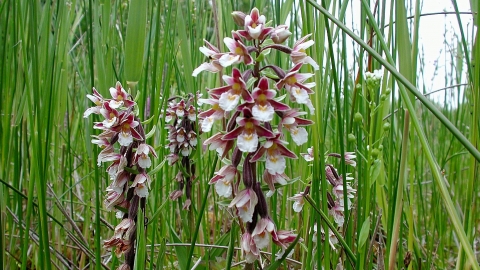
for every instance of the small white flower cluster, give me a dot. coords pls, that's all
(374, 78)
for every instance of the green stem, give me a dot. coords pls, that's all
(439, 180)
(330, 225)
(200, 215)
(404, 82)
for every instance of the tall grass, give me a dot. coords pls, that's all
(416, 204)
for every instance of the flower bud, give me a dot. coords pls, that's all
(280, 34)
(351, 137)
(386, 126)
(358, 118)
(239, 18)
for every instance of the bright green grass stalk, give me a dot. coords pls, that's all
(80, 44)
(438, 178)
(469, 220)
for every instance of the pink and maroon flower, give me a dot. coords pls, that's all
(214, 54)
(214, 113)
(231, 93)
(292, 122)
(127, 131)
(294, 79)
(223, 180)
(108, 154)
(141, 184)
(219, 144)
(254, 26)
(298, 54)
(309, 156)
(120, 97)
(265, 106)
(284, 238)
(272, 179)
(275, 151)
(280, 33)
(248, 132)
(249, 248)
(238, 52)
(245, 202)
(111, 117)
(142, 156)
(98, 100)
(298, 202)
(264, 229)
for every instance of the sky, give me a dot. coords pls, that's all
(437, 55)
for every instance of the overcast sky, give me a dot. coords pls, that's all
(437, 55)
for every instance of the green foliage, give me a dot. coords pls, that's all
(417, 160)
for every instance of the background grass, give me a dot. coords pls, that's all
(417, 160)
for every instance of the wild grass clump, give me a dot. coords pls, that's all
(301, 141)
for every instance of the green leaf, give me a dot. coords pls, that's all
(223, 241)
(362, 238)
(375, 171)
(146, 122)
(158, 168)
(135, 40)
(151, 133)
(180, 251)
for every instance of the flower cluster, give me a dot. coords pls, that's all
(129, 162)
(182, 137)
(249, 102)
(336, 202)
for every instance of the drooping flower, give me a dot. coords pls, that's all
(98, 100)
(309, 156)
(284, 238)
(337, 183)
(249, 248)
(263, 231)
(212, 114)
(336, 209)
(298, 202)
(223, 179)
(219, 144)
(293, 123)
(272, 179)
(245, 202)
(142, 157)
(108, 154)
(113, 198)
(280, 33)
(214, 54)
(349, 156)
(298, 54)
